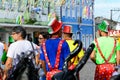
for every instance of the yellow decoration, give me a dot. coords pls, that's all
(51, 16)
(84, 11)
(60, 2)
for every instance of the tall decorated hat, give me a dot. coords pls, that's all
(104, 26)
(67, 29)
(54, 26)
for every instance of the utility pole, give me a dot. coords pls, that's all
(48, 7)
(111, 19)
(111, 11)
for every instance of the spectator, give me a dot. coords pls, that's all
(4, 56)
(20, 45)
(41, 38)
(1, 53)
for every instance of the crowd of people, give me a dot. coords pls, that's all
(56, 45)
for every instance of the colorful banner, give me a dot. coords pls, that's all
(40, 10)
(114, 33)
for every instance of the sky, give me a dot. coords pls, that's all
(102, 8)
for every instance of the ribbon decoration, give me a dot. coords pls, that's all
(60, 2)
(20, 19)
(51, 16)
(84, 12)
(83, 2)
(73, 2)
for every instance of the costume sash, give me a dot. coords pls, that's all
(57, 56)
(106, 60)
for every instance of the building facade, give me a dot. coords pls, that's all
(34, 15)
(79, 14)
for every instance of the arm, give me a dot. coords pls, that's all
(92, 56)
(43, 66)
(42, 60)
(37, 59)
(9, 61)
(8, 66)
(118, 53)
(118, 57)
(66, 51)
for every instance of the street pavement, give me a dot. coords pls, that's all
(88, 70)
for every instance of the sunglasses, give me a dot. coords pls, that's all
(40, 38)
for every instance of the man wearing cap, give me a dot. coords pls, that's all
(54, 50)
(105, 54)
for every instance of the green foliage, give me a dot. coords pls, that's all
(31, 21)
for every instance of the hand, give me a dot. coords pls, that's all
(4, 77)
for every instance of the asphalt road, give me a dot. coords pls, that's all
(87, 72)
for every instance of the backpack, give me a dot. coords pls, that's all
(24, 70)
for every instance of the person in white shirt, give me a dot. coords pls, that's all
(1, 51)
(20, 45)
